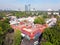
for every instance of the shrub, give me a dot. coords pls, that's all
(46, 43)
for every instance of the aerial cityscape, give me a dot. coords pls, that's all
(29, 22)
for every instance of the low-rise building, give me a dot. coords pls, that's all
(51, 22)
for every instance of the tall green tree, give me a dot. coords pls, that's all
(39, 20)
(4, 26)
(52, 34)
(17, 37)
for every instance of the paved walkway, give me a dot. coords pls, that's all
(27, 42)
(31, 42)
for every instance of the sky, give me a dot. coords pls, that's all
(37, 4)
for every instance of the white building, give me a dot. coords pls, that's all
(14, 20)
(50, 11)
(51, 22)
(56, 13)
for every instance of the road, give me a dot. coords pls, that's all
(27, 42)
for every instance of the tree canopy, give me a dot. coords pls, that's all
(52, 34)
(4, 26)
(39, 20)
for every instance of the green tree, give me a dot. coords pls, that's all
(17, 37)
(4, 26)
(46, 43)
(52, 34)
(39, 20)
